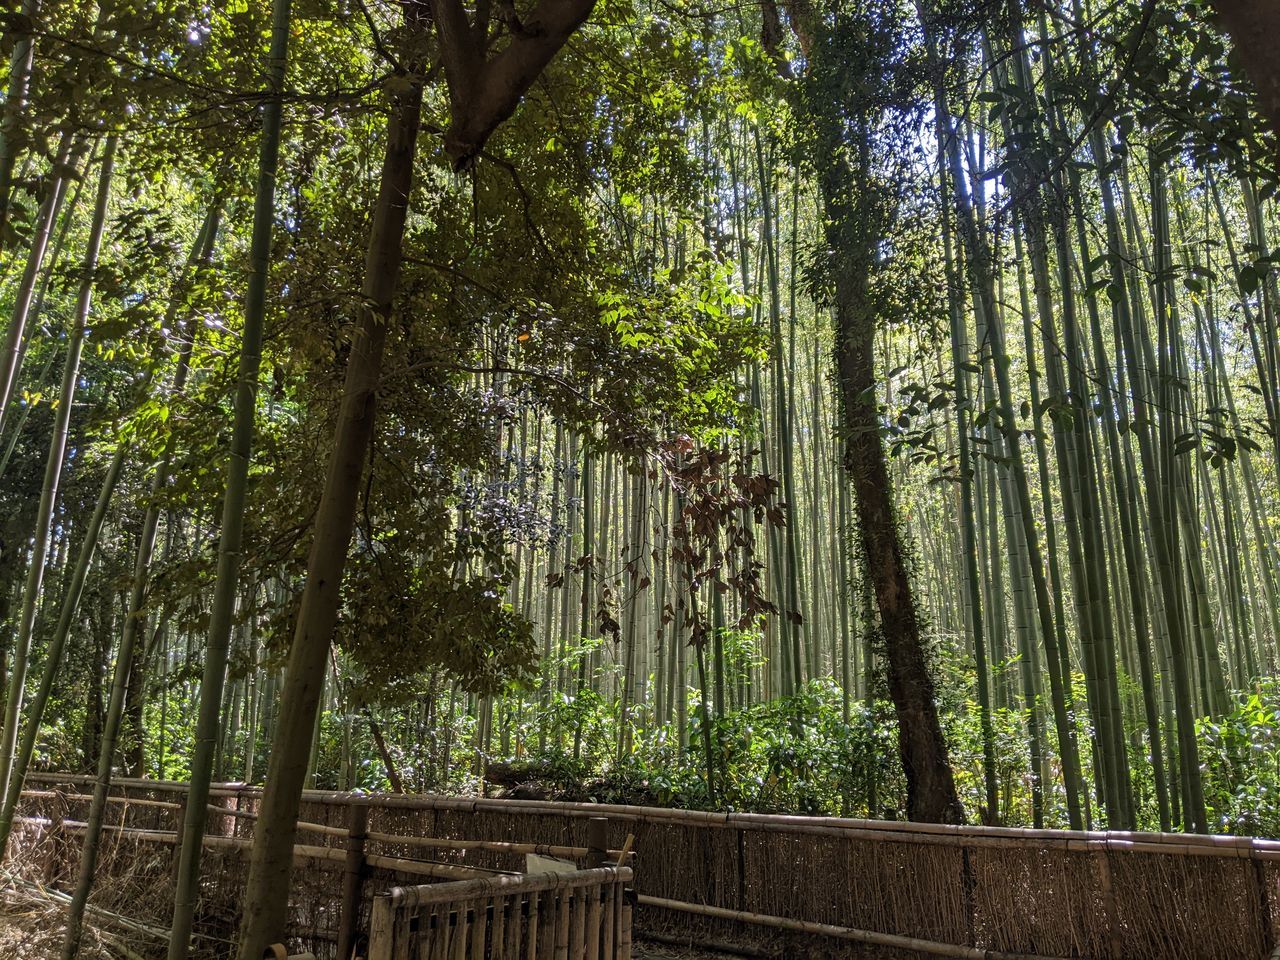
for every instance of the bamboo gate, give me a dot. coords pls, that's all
(795, 886)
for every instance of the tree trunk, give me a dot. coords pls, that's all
(64, 163)
(1254, 27)
(231, 534)
(11, 139)
(93, 830)
(858, 207)
(931, 789)
(267, 892)
(53, 472)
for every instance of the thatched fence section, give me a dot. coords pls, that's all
(801, 886)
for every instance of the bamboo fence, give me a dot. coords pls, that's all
(802, 886)
(583, 914)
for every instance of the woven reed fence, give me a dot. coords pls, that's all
(829, 887)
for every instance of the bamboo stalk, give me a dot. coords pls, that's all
(622, 906)
(126, 801)
(497, 846)
(421, 868)
(547, 940)
(424, 868)
(610, 940)
(512, 947)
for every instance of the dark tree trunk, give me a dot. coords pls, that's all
(931, 789)
(99, 657)
(858, 210)
(1254, 28)
(134, 735)
(267, 892)
(6, 637)
(840, 102)
(483, 93)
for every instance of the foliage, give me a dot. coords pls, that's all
(1241, 756)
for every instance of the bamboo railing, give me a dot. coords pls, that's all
(583, 915)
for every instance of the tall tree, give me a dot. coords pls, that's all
(855, 114)
(230, 543)
(484, 90)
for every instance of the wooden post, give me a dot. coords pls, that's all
(597, 842)
(353, 879)
(382, 929)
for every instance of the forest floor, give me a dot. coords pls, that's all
(31, 928)
(644, 948)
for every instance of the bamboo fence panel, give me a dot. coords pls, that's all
(549, 916)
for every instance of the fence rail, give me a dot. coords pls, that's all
(823, 886)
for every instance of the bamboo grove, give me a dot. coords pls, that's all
(716, 336)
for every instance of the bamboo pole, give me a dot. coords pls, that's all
(531, 931)
(610, 940)
(353, 878)
(547, 939)
(512, 948)
(498, 941)
(561, 951)
(461, 932)
(578, 912)
(594, 914)
(525, 883)
(480, 930)
(931, 947)
(854, 829)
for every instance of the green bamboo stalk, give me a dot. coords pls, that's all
(233, 506)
